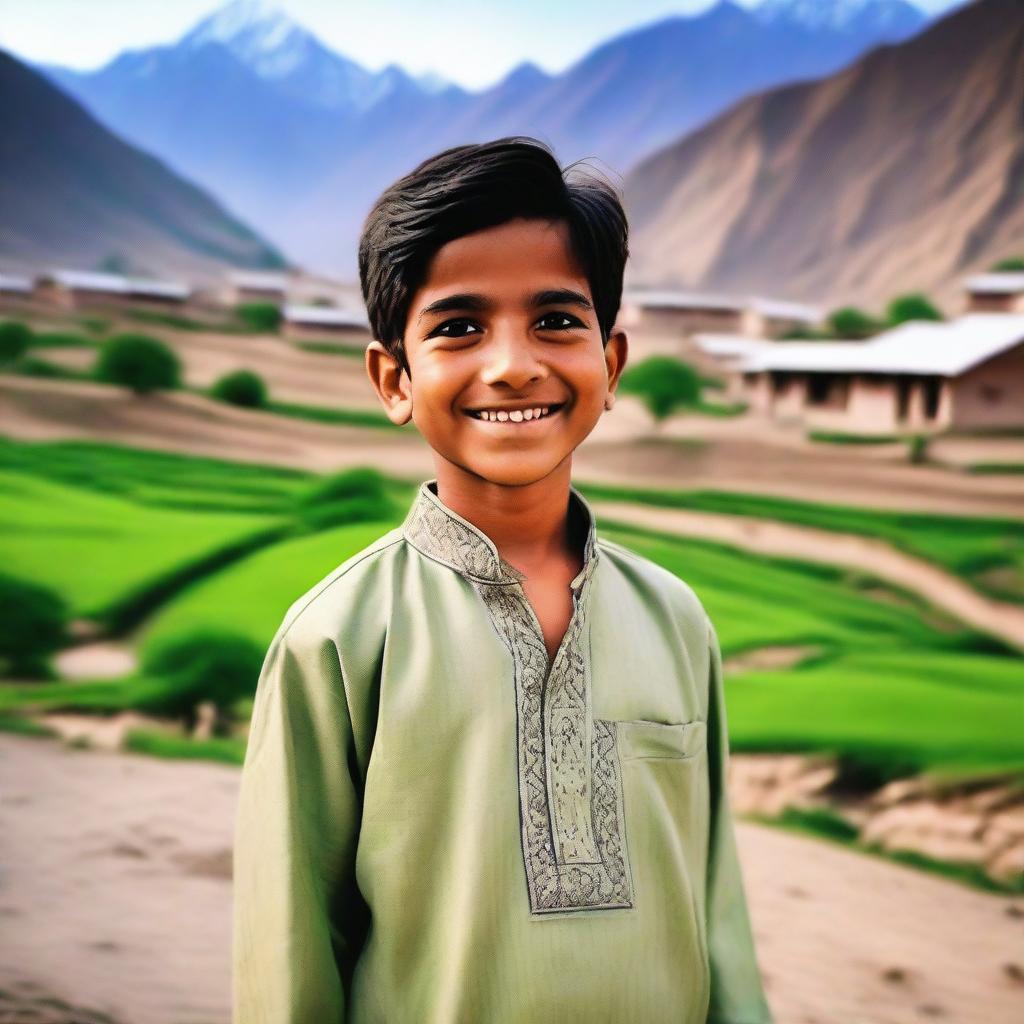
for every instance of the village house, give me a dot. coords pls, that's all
(257, 286)
(79, 289)
(998, 292)
(326, 322)
(921, 376)
(685, 313)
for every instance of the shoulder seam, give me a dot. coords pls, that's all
(374, 549)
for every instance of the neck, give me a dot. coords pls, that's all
(528, 523)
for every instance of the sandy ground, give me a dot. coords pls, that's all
(115, 897)
(693, 452)
(864, 554)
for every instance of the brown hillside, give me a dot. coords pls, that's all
(901, 172)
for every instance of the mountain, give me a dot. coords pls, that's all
(890, 19)
(300, 139)
(73, 194)
(901, 172)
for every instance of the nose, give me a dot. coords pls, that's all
(511, 359)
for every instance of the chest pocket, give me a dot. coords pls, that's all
(641, 739)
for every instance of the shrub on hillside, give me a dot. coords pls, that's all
(33, 624)
(15, 339)
(911, 307)
(663, 384)
(1011, 263)
(850, 322)
(138, 362)
(259, 316)
(355, 495)
(242, 387)
(202, 665)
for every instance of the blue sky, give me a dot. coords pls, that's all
(472, 42)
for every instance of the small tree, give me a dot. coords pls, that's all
(15, 339)
(138, 362)
(850, 322)
(917, 449)
(203, 665)
(259, 316)
(1009, 264)
(32, 626)
(355, 495)
(663, 384)
(243, 387)
(911, 307)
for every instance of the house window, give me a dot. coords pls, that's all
(780, 382)
(903, 387)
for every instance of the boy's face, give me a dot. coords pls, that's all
(486, 331)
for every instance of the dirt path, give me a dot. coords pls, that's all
(115, 880)
(767, 537)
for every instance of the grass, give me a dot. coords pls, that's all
(92, 548)
(833, 437)
(226, 750)
(894, 688)
(1015, 468)
(251, 597)
(986, 552)
(333, 348)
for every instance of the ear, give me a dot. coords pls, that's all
(390, 381)
(615, 355)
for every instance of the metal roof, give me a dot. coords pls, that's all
(670, 299)
(1004, 282)
(325, 316)
(15, 283)
(91, 281)
(259, 280)
(727, 345)
(919, 347)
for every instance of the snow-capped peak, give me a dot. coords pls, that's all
(258, 32)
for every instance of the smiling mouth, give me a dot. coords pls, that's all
(515, 417)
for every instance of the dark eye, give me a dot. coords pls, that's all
(567, 321)
(457, 333)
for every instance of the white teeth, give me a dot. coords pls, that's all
(515, 415)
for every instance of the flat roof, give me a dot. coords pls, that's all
(93, 281)
(1002, 282)
(326, 316)
(945, 349)
(653, 298)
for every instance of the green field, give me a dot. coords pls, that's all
(986, 552)
(893, 684)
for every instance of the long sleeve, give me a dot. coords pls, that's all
(737, 996)
(295, 900)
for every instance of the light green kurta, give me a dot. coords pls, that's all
(434, 828)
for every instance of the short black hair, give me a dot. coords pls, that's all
(473, 187)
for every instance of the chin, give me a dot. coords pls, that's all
(510, 471)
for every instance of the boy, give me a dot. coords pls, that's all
(485, 780)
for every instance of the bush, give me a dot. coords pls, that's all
(32, 626)
(138, 362)
(356, 495)
(259, 316)
(205, 664)
(243, 387)
(663, 384)
(911, 307)
(1009, 264)
(850, 322)
(917, 449)
(15, 339)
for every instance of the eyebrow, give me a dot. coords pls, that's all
(481, 304)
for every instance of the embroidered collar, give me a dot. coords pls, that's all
(443, 535)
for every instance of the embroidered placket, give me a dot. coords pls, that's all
(570, 784)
